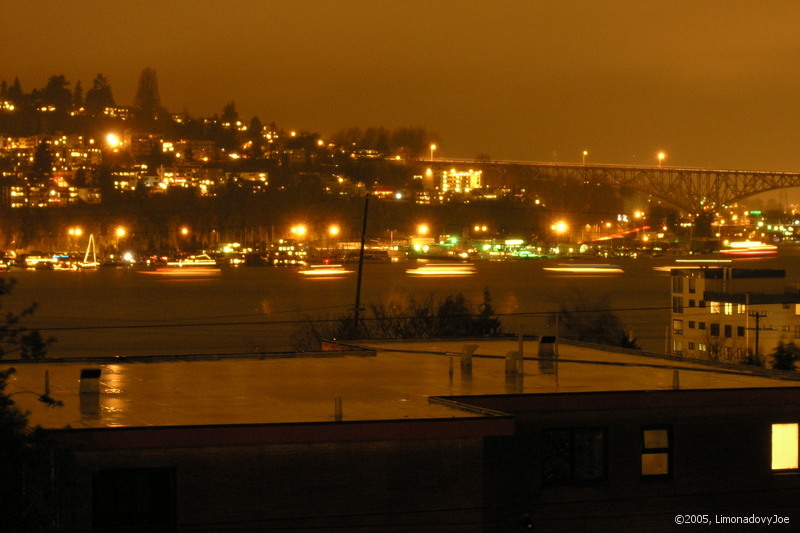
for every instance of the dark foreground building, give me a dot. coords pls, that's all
(607, 460)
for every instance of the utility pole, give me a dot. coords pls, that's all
(357, 309)
(758, 316)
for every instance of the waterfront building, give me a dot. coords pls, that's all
(458, 181)
(732, 314)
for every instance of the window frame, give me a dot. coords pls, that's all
(668, 450)
(794, 470)
(572, 479)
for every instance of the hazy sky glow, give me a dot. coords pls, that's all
(712, 83)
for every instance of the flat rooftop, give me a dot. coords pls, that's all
(392, 382)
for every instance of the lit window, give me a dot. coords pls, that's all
(677, 327)
(656, 452)
(784, 446)
(728, 308)
(677, 347)
(714, 306)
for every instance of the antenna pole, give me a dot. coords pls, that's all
(357, 308)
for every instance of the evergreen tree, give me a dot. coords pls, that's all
(42, 163)
(226, 138)
(99, 96)
(56, 93)
(255, 134)
(147, 100)
(229, 113)
(784, 356)
(77, 96)
(15, 91)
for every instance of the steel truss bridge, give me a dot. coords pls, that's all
(684, 188)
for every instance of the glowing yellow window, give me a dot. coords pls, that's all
(784, 446)
(656, 452)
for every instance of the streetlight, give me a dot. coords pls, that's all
(184, 231)
(585, 153)
(433, 147)
(560, 227)
(300, 230)
(661, 157)
(423, 229)
(74, 232)
(120, 232)
(333, 232)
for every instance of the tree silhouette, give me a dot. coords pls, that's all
(99, 96)
(15, 91)
(56, 93)
(229, 113)
(77, 96)
(42, 163)
(147, 100)
(785, 355)
(27, 457)
(589, 320)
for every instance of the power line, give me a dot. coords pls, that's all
(432, 316)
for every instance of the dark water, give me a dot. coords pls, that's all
(124, 312)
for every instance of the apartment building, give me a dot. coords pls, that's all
(732, 314)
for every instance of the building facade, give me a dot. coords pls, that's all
(605, 461)
(732, 314)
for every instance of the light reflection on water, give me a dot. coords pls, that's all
(257, 309)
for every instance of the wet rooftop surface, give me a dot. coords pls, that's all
(394, 384)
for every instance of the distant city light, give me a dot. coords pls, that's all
(113, 140)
